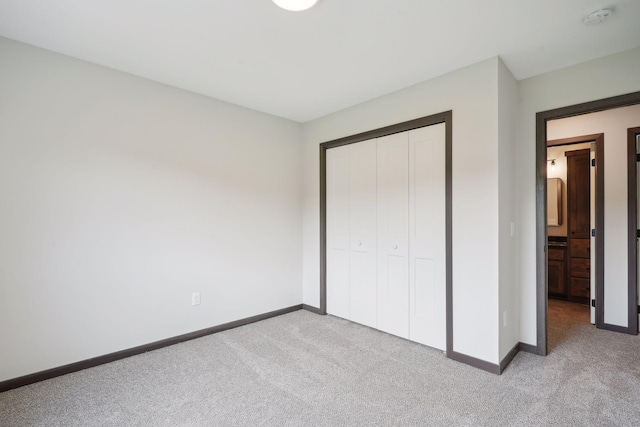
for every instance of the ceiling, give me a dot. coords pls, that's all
(303, 65)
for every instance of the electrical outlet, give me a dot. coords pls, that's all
(195, 298)
(504, 319)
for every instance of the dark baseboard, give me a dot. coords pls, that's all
(616, 328)
(528, 348)
(509, 357)
(484, 365)
(111, 357)
(311, 309)
(476, 363)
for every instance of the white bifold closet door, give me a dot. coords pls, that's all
(427, 236)
(393, 234)
(362, 231)
(337, 166)
(386, 234)
(351, 232)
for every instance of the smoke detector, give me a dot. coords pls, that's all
(295, 5)
(598, 16)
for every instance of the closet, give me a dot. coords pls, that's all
(386, 234)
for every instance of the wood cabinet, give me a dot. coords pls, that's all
(579, 270)
(557, 265)
(578, 225)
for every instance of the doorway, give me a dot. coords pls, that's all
(572, 190)
(630, 288)
(633, 186)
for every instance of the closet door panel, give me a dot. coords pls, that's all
(425, 290)
(427, 282)
(337, 164)
(362, 229)
(393, 234)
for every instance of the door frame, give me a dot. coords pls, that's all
(632, 172)
(541, 198)
(444, 117)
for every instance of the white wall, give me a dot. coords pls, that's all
(119, 197)
(508, 314)
(472, 94)
(614, 125)
(605, 77)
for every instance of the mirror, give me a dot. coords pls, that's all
(554, 202)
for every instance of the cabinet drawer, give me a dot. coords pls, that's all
(580, 287)
(556, 254)
(580, 268)
(556, 277)
(580, 248)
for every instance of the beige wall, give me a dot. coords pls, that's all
(120, 197)
(508, 314)
(602, 78)
(472, 94)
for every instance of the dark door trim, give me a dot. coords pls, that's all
(446, 118)
(632, 173)
(541, 196)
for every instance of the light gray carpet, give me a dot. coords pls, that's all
(303, 369)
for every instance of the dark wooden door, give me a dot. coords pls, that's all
(578, 194)
(579, 224)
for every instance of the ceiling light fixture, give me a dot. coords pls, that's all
(598, 16)
(295, 5)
